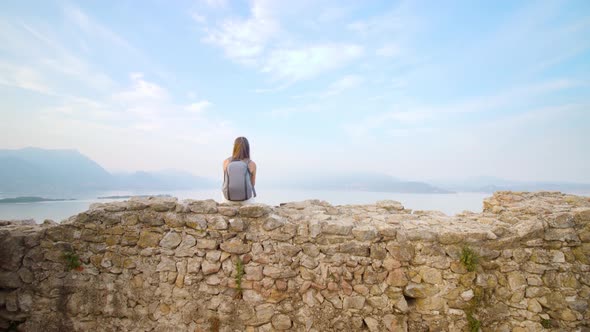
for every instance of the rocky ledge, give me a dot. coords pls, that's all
(160, 264)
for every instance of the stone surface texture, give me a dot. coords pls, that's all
(166, 265)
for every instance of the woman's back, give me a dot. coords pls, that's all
(239, 173)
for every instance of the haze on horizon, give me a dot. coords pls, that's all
(415, 89)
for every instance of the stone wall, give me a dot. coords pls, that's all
(164, 265)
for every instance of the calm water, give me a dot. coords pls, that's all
(447, 203)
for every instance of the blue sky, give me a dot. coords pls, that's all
(416, 89)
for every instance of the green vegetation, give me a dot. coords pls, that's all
(72, 260)
(475, 303)
(478, 294)
(474, 323)
(469, 258)
(239, 275)
(546, 323)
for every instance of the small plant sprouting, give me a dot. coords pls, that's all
(239, 275)
(474, 323)
(72, 261)
(475, 303)
(546, 323)
(469, 258)
(478, 294)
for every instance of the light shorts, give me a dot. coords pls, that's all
(252, 200)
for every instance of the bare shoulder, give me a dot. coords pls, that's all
(252, 165)
(225, 163)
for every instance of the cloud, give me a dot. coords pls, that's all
(285, 112)
(345, 83)
(411, 116)
(146, 107)
(245, 40)
(141, 91)
(29, 45)
(261, 42)
(23, 78)
(90, 26)
(201, 19)
(390, 23)
(388, 51)
(99, 35)
(216, 3)
(369, 125)
(341, 85)
(297, 64)
(199, 107)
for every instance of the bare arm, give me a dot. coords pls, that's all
(252, 168)
(225, 163)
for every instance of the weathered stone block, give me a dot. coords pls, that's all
(171, 240)
(204, 207)
(281, 322)
(563, 220)
(364, 233)
(273, 222)
(278, 272)
(334, 228)
(174, 220)
(582, 217)
(166, 264)
(217, 222)
(387, 231)
(237, 224)
(288, 250)
(187, 247)
(451, 237)
(235, 247)
(12, 250)
(390, 205)
(430, 304)
(353, 302)
(196, 221)
(401, 251)
(149, 239)
(561, 234)
(355, 249)
(430, 275)
(10, 280)
(228, 211)
(372, 324)
(162, 204)
(210, 267)
(419, 291)
(254, 210)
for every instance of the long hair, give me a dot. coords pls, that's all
(241, 149)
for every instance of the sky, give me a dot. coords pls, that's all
(417, 90)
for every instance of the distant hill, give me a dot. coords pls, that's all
(358, 181)
(35, 170)
(489, 184)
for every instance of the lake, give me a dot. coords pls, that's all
(447, 203)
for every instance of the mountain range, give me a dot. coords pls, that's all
(35, 170)
(32, 171)
(490, 184)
